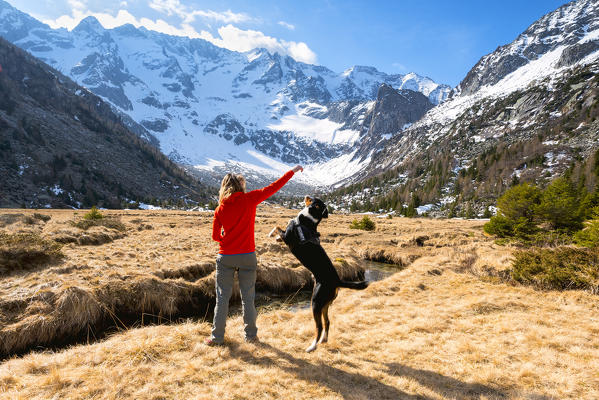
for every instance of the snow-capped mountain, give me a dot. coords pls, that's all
(209, 107)
(546, 52)
(61, 145)
(561, 38)
(527, 110)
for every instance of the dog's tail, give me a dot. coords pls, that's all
(354, 285)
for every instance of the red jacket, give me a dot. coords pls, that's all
(237, 216)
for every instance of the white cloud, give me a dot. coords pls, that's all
(399, 66)
(287, 25)
(236, 39)
(174, 7)
(230, 37)
(122, 17)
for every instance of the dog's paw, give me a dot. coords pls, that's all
(312, 347)
(276, 231)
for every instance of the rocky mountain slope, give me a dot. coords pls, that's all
(215, 109)
(61, 145)
(526, 112)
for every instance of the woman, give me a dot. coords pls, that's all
(233, 228)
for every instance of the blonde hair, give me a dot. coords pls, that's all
(231, 183)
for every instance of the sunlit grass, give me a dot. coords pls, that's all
(438, 329)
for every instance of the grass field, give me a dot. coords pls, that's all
(445, 326)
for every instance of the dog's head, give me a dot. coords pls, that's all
(317, 208)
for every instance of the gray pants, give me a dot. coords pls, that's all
(226, 266)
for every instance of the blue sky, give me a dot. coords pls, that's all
(436, 38)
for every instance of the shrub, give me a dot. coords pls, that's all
(560, 268)
(519, 202)
(365, 224)
(500, 226)
(515, 212)
(23, 251)
(93, 214)
(560, 206)
(588, 237)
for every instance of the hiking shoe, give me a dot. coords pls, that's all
(212, 342)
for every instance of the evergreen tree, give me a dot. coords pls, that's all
(560, 205)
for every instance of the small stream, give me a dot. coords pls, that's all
(300, 300)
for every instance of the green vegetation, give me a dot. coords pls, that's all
(25, 251)
(93, 214)
(589, 236)
(560, 205)
(560, 268)
(553, 215)
(516, 212)
(549, 222)
(95, 218)
(365, 224)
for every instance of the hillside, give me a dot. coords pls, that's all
(61, 145)
(527, 120)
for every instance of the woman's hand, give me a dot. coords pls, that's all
(298, 168)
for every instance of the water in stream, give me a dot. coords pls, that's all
(374, 271)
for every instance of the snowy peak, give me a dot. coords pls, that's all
(91, 25)
(14, 24)
(208, 106)
(574, 27)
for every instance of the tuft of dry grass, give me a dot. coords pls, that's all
(95, 236)
(24, 251)
(111, 223)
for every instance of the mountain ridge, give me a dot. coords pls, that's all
(203, 103)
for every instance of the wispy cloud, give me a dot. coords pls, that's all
(287, 25)
(121, 18)
(237, 39)
(229, 36)
(188, 14)
(399, 66)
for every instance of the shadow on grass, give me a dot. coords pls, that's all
(446, 385)
(357, 386)
(347, 384)
(453, 388)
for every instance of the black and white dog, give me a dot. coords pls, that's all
(303, 239)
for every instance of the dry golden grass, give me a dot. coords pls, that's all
(160, 267)
(434, 330)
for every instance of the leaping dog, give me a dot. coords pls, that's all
(303, 239)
